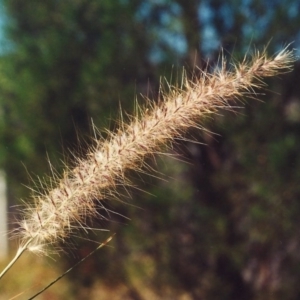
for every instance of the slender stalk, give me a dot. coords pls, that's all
(20, 251)
(70, 269)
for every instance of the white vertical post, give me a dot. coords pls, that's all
(3, 217)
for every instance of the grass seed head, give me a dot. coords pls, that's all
(71, 200)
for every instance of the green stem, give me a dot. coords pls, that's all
(20, 251)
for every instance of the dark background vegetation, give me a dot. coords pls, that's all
(225, 225)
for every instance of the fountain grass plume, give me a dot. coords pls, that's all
(61, 209)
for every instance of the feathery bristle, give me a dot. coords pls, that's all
(76, 196)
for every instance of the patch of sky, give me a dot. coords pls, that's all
(5, 45)
(260, 24)
(166, 31)
(245, 9)
(296, 45)
(260, 19)
(293, 9)
(166, 38)
(204, 12)
(210, 40)
(143, 12)
(227, 15)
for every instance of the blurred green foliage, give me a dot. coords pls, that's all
(223, 226)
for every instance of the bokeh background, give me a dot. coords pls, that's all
(224, 222)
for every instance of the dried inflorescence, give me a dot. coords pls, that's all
(79, 192)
